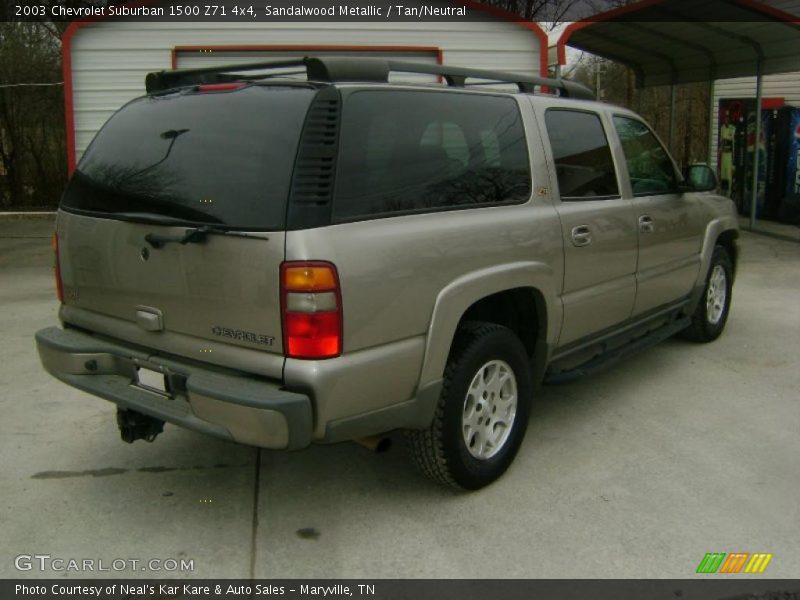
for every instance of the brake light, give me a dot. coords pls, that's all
(219, 87)
(57, 269)
(311, 302)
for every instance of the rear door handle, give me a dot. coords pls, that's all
(581, 235)
(646, 224)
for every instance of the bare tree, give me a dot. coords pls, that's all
(616, 84)
(32, 161)
(546, 11)
(32, 130)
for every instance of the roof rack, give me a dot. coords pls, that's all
(345, 68)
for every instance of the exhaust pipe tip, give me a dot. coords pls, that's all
(376, 443)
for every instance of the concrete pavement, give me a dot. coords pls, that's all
(636, 472)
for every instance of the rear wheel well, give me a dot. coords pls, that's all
(522, 310)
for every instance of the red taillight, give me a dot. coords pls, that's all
(311, 302)
(57, 270)
(313, 335)
(219, 87)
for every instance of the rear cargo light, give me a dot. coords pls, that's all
(57, 269)
(311, 303)
(219, 87)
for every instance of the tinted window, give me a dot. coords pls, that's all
(649, 166)
(583, 160)
(218, 157)
(417, 151)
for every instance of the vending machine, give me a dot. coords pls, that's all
(736, 135)
(777, 123)
(778, 147)
(751, 147)
(732, 141)
(789, 207)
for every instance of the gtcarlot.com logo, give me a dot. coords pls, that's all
(735, 562)
(46, 562)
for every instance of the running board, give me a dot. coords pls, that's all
(599, 363)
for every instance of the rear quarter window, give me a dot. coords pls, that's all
(407, 151)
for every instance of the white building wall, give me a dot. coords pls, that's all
(109, 60)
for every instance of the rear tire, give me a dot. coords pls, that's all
(711, 314)
(483, 409)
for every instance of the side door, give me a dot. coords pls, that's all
(670, 223)
(598, 225)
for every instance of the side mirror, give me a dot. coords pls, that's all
(699, 178)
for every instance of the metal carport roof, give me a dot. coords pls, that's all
(669, 42)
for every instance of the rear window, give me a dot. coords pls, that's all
(408, 151)
(217, 157)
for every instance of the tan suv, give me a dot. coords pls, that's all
(283, 261)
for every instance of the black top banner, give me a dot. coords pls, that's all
(248, 11)
(265, 11)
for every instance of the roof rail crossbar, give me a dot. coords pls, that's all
(345, 68)
(457, 76)
(158, 81)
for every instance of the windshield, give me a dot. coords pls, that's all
(199, 157)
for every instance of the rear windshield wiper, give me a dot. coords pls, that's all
(194, 235)
(190, 236)
(148, 217)
(197, 235)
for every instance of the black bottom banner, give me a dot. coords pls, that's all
(397, 589)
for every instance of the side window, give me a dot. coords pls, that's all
(450, 138)
(409, 151)
(377, 153)
(491, 147)
(584, 166)
(649, 166)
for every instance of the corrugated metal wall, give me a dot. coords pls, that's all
(109, 60)
(784, 85)
(188, 59)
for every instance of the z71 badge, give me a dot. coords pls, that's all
(247, 336)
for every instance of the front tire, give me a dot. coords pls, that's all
(711, 314)
(483, 409)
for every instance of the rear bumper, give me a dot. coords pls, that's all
(236, 407)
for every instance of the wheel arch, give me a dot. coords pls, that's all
(727, 239)
(522, 310)
(723, 231)
(517, 295)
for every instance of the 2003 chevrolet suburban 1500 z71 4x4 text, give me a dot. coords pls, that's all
(284, 262)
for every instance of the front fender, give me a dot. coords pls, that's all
(455, 298)
(715, 227)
